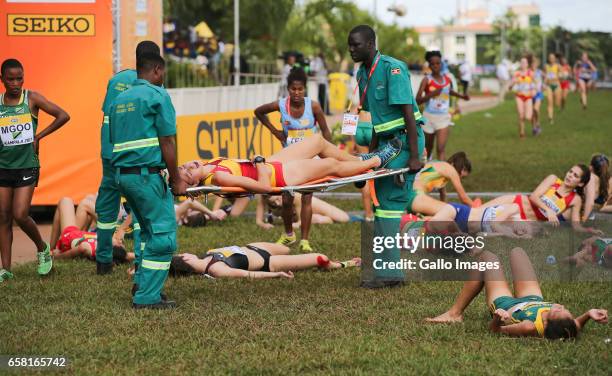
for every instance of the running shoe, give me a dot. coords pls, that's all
(389, 152)
(305, 246)
(5, 275)
(45, 262)
(286, 239)
(355, 262)
(537, 131)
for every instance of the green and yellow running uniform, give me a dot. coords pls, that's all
(600, 252)
(17, 130)
(426, 181)
(530, 307)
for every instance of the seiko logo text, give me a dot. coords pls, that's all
(77, 25)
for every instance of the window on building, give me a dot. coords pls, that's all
(460, 39)
(460, 56)
(534, 20)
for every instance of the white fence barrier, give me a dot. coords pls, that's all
(193, 101)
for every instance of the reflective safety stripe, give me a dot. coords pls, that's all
(142, 246)
(136, 226)
(106, 226)
(106, 120)
(136, 144)
(389, 125)
(397, 123)
(388, 213)
(155, 265)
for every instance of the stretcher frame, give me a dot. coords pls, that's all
(325, 184)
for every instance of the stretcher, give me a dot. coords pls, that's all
(325, 184)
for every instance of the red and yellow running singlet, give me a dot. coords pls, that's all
(525, 84)
(553, 200)
(238, 167)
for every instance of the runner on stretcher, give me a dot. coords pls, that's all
(291, 166)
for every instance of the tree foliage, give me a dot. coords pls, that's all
(261, 21)
(268, 27)
(536, 41)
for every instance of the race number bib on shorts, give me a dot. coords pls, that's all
(16, 130)
(349, 124)
(297, 135)
(227, 251)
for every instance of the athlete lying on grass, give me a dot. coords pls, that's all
(435, 175)
(255, 260)
(594, 250)
(524, 314)
(499, 220)
(552, 198)
(70, 241)
(322, 212)
(293, 165)
(193, 213)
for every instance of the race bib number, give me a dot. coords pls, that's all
(16, 130)
(551, 204)
(297, 135)
(349, 124)
(441, 102)
(227, 251)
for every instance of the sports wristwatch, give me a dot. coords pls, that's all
(259, 159)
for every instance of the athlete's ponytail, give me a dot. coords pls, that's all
(584, 180)
(460, 162)
(561, 329)
(601, 165)
(179, 268)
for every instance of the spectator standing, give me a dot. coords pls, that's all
(289, 63)
(319, 69)
(465, 75)
(503, 77)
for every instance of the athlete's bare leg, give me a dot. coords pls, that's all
(492, 280)
(309, 148)
(6, 226)
(302, 171)
(64, 217)
(22, 199)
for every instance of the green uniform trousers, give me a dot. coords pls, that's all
(392, 201)
(151, 201)
(107, 210)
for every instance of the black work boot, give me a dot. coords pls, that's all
(103, 268)
(163, 296)
(164, 304)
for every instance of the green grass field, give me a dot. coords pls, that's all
(503, 163)
(319, 322)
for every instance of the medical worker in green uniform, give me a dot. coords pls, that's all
(142, 131)
(107, 202)
(384, 86)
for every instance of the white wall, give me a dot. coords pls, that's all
(193, 101)
(449, 47)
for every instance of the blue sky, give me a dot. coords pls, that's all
(595, 15)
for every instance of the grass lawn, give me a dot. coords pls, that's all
(503, 163)
(319, 322)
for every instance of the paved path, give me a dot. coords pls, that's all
(475, 104)
(23, 248)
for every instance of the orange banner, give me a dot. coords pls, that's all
(65, 47)
(140, 20)
(224, 134)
